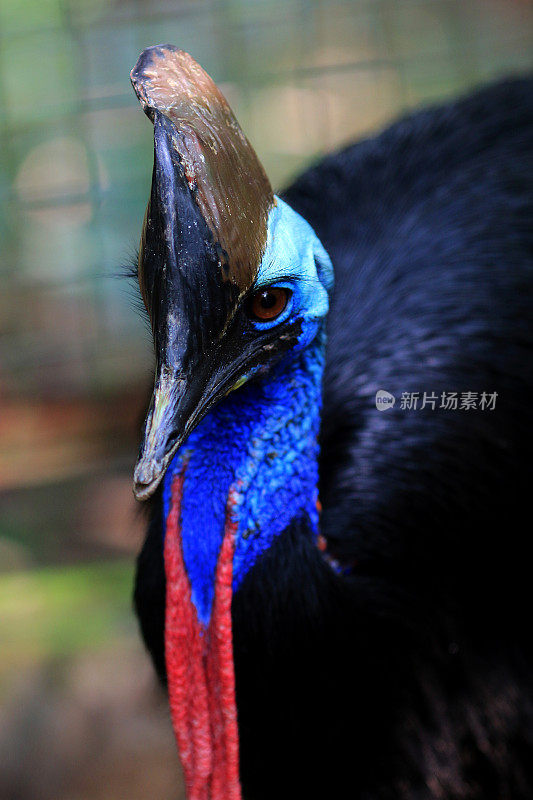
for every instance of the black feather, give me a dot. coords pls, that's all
(411, 678)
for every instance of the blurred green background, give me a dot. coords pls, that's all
(80, 715)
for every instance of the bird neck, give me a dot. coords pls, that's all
(256, 451)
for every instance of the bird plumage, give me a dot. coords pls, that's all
(404, 672)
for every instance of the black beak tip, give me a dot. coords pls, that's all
(146, 479)
(151, 468)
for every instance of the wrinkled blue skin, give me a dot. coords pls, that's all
(260, 443)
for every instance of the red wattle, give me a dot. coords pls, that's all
(200, 669)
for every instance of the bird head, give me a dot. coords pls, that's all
(232, 278)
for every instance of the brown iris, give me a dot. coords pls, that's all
(268, 303)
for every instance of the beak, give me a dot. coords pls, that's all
(164, 430)
(178, 274)
(182, 397)
(203, 239)
(179, 402)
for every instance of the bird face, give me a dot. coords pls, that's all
(232, 278)
(210, 338)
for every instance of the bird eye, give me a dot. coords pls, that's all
(267, 304)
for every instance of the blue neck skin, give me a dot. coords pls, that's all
(260, 442)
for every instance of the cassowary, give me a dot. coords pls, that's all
(335, 583)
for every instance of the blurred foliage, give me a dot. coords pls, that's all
(54, 613)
